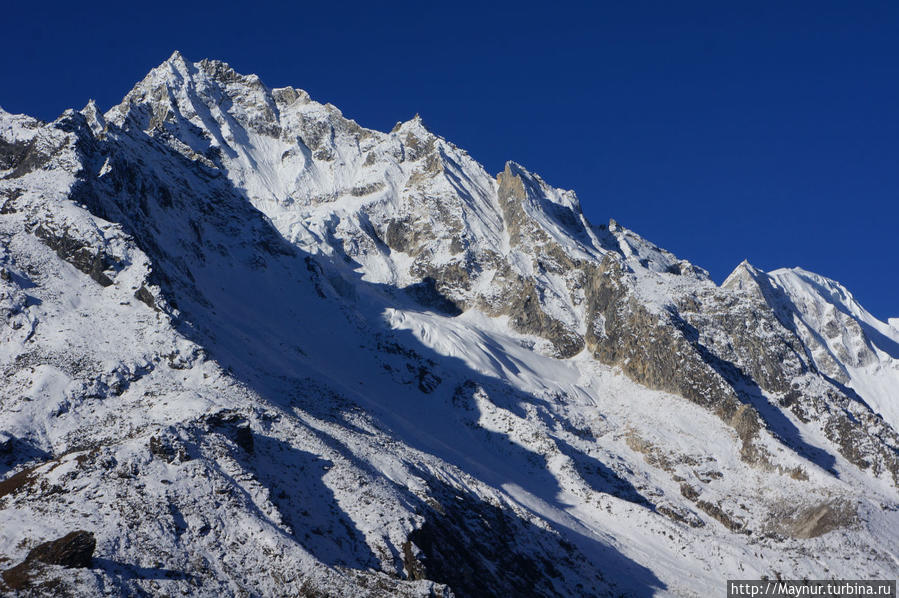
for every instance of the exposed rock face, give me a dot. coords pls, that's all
(674, 359)
(620, 325)
(811, 521)
(528, 316)
(727, 352)
(815, 521)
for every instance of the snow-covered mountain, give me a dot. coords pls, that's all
(257, 349)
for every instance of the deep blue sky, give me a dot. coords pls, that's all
(719, 130)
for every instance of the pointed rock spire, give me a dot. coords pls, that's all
(94, 117)
(416, 123)
(744, 277)
(176, 58)
(177, 63)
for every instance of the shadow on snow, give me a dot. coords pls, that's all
(279, 319)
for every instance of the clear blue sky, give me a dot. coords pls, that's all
(719, 130)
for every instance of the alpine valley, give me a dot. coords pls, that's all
(251, 348)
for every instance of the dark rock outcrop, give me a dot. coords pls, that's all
(234, 426)
(75, 549)
(93, 261)
(479, 549)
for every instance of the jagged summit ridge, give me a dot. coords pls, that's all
(256, 348)
(317, 175)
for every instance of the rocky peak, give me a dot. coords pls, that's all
(179, 93)
(510, 182)
(176, 60)
(287, 96)
(94, 117)
(416, 123)
(642, 255)
(745, 277)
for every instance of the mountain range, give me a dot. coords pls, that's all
(252, 348)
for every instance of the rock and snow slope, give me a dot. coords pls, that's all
(257, 349)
